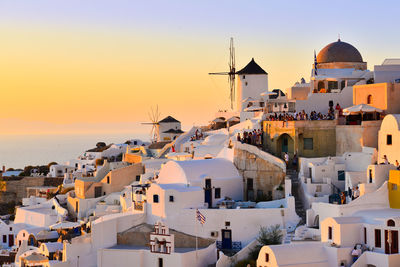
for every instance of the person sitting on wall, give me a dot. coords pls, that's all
(385, 160)
(355, 253)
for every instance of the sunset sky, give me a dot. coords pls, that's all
(81, 66)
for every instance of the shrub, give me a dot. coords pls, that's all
(267, 236)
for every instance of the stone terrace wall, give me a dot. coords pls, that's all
(16, 186)
(267, 171)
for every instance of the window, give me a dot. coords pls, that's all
(390, 223)
(137, 178)
(365, 235)
(308, 144)
(108, 179)
(369, 99)
(246, 83)
(330, 233)
(244, 76)
(155, 198)
(227, 224)
(171, 198)
(4, 239)
(342, 84)
(160, 262)
(341, 175)
(249, 184)
(319, 188)
(266, 257)
(217, 192)
(332, 85)
(389, 139)
(378, 238)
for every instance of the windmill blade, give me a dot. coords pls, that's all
(218, 73)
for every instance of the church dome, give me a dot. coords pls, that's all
(339, 52)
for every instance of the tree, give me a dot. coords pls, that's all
(51, 164)
(267, 236)
(100, 144)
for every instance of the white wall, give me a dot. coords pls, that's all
(143, 257)
(320, 102)
(245, 223)
(256, 84)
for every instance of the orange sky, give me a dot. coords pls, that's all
(62, 66)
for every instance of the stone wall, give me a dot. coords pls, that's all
(140, 236)
(266, 171)
(16, 186)
(354, 137)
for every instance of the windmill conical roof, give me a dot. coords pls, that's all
(252, 68)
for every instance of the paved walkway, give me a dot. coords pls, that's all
(295, 192)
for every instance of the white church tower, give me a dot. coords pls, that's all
(253, 81)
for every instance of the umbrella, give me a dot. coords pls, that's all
(267, 93)
(217, 120)
(253, 109)
(361, 108)
(234, 118)
(247, 99)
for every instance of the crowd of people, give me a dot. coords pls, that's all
(302, 115)
(253, 137)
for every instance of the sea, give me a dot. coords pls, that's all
(18, 151)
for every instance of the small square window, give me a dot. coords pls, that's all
(171, 198)
(308, 144)
(341, 175)
(227, 223)
(217, 192)
(155, 198)
(389, 139)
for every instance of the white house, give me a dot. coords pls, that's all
(218, 178)
(41, 215)
(321, 177)
(389, 139)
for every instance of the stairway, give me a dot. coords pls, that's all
(295, 192)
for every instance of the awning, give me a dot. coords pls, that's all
(361, 108)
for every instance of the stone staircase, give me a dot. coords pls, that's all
(295, 192)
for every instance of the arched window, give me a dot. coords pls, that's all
(321, 85)
(390, 223)
(369, 99)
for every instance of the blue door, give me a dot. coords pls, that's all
(208, 193)
(285, 144)
(226, 239)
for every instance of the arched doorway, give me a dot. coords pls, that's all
(285, 144)
(369, 99)
(321, 85)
